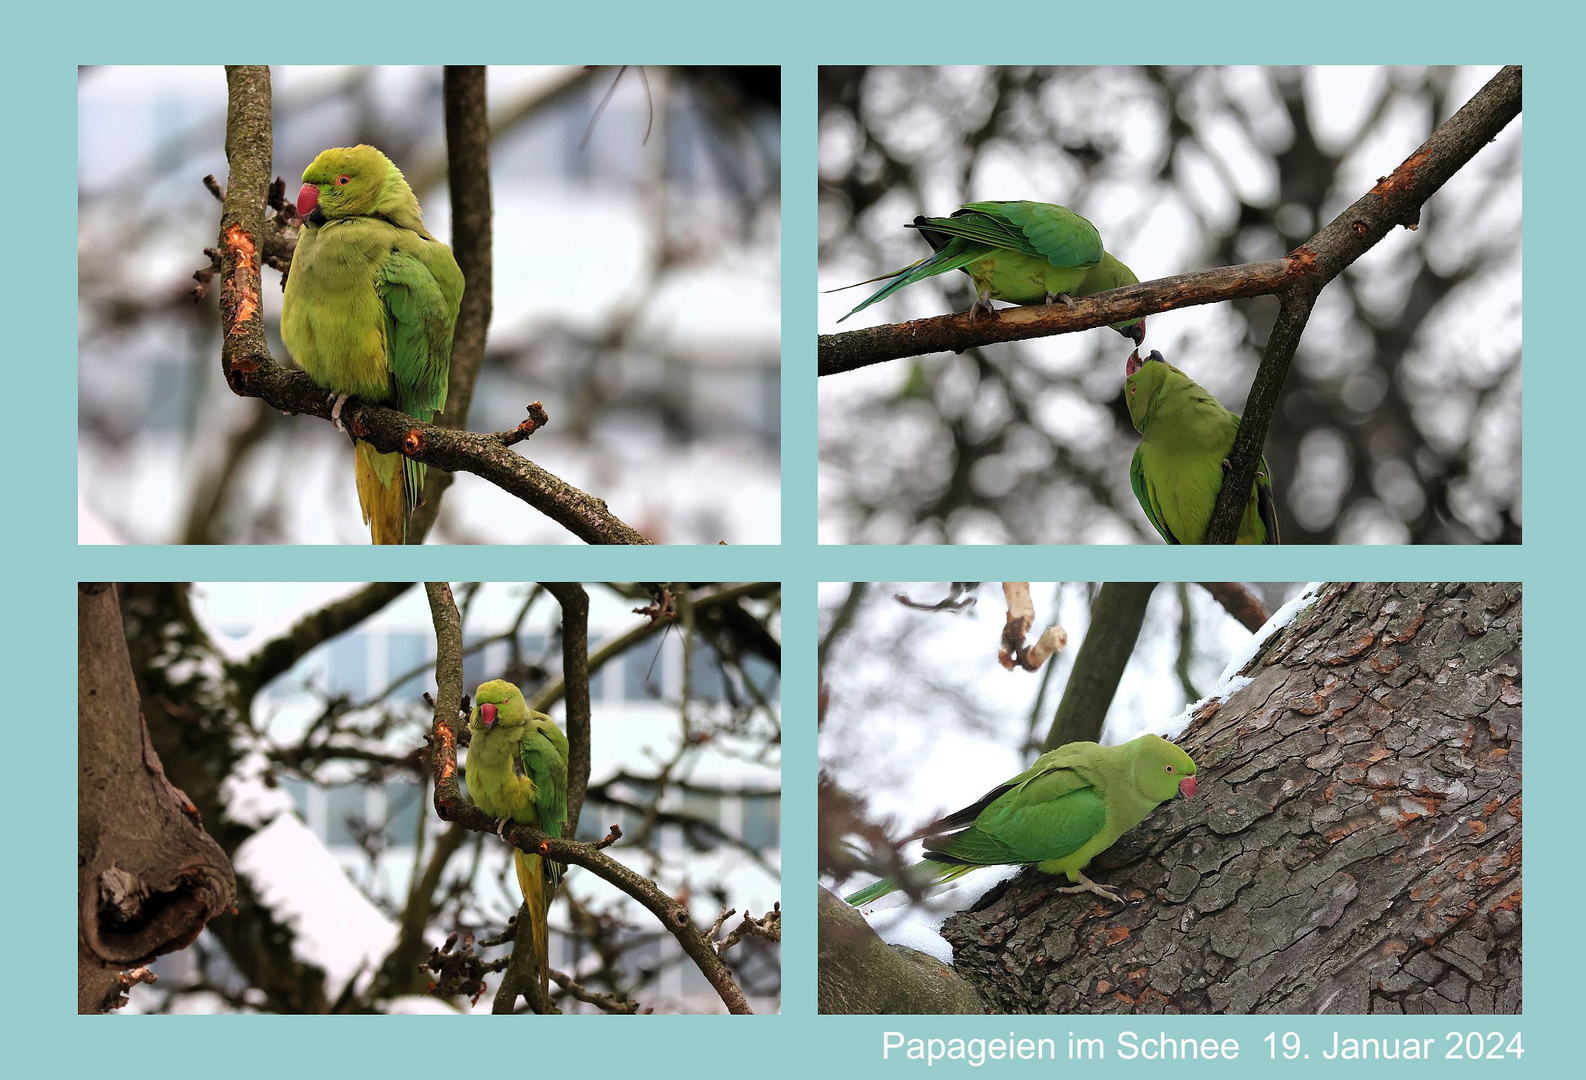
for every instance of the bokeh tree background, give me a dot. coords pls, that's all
(636, 293)
(1400, 419)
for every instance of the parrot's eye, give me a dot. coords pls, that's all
(342, 181)
(1170, 768)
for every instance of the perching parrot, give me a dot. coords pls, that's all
(1019, 252)
(370, 304)
(1057, 815)
(517, 771)
(1179, 466)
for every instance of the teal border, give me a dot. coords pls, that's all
(48, 41)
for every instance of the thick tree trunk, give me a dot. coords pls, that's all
(859, 973)
(1354, 846)
(149, 878)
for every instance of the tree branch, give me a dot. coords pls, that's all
(251, 371)
(1115, 619)
(468, 180)
(451, 806)
(1395, 200)
(854, 349)
(312, 630)
(1239, 602)
(575, 677)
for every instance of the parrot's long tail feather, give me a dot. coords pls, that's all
(939, 263)
(531, 879)
(382, 493)
(926, 873)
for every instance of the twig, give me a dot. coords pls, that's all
(1021, 617)
(960, 597)
(611, 1003)
(1239, 602)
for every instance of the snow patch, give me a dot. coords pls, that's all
(335, 926)
(897, 920)
(1232, 681)
(249, 799)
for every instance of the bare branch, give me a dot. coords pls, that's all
(1239, 602)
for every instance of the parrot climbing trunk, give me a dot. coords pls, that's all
(1057, 815)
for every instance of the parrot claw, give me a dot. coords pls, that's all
(1063, 296)
(501, 824)
(337, 401)
(1106, 892)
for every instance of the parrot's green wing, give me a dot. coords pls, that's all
(1044, 813)
(1266, 505)
(418, 324)
(1054, 233)
(1144, 492)
(543, 753)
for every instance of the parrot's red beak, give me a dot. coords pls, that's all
(1186, 787)
(307, 200)
(1133, 364)
(487, 713)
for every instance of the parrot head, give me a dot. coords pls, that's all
(498, 703)
(1143, 377)
(356, 181)
(1162, 770)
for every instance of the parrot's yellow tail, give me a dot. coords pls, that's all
(385, 508)
(531, 879)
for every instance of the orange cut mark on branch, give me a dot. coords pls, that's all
(244, 254)
(1401, 178)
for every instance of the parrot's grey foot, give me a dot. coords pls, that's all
(982, 303)
(1106, 892)
(1063, 296)
(337, 401)
(501, 824)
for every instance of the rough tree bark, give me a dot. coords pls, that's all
(148, 876)
(1354, 846)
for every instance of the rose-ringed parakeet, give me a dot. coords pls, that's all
(1018, 252)
(517, 771)
(1179, 466)
(371, 300)
(1057, 815)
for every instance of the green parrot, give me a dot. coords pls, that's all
(1019, 252)
(371, 301)
(1186, 436)
(1057, 815)
(517, 771)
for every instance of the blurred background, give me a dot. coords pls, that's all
(919, 718)
(318, 791)
(1400, 419)
(637, 294)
